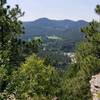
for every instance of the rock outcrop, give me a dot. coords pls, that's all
(95, 87)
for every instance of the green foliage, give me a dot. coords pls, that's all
(2, 76)
(97, 9)
(76, 84)
(10, 28)
(34, 78)
(13, 51)
(23, 49)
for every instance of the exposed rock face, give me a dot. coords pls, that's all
(55, 98)
(95, 86)
(11, 97)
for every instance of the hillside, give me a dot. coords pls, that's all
(59, 37)
(67, 29)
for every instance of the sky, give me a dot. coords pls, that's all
(57, 9)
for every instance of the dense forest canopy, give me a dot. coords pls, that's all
(24, 75)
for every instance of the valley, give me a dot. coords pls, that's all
(59, 37)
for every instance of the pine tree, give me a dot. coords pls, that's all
(88, 64)
(10, 28)
(33, 79)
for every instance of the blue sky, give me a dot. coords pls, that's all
(57, 9)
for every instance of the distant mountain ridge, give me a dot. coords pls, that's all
(57, 23)
(59, 38)
(44, 26)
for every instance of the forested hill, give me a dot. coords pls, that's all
(59, 37)
(67, 29)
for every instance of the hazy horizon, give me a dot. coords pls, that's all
(57, 9)
(53, 19)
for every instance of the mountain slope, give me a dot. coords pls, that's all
(63, 28)
(59, 38)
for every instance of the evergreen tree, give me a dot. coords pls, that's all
(76, 84)
(13, 50)
(10, 28)
(33, 79)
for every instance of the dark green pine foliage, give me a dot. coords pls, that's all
(10, 28)
(2, 2)
(24, 49)
(76, 84)
(13, 51)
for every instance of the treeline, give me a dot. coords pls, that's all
(76, 84)
(26, 76)
(22, 73)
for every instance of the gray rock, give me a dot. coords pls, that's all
(95, 86)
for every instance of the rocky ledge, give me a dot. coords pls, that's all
(95, 87)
